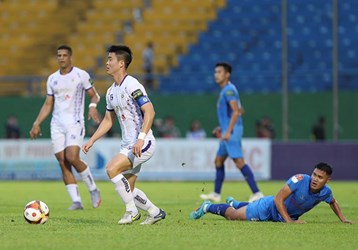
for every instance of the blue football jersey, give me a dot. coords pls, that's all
(302, 199)
(224, 111)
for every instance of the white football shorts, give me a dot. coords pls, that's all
(147, 153)
(62, 137)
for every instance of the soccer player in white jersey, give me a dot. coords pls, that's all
(65, 94)
(127, 101)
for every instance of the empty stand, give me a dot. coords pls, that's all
(247, 34)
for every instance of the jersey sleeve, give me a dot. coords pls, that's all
(49, 86)
(86, 80)
(109, 106)
(231, 95)
(295, 182)
(328, 194)
(138, 93)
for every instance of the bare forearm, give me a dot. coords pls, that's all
(147, 121)
(44, 112)
(102, 129)
(281, 207)
(233, 121)
(337, 210)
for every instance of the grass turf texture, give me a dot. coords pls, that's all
(98, 228)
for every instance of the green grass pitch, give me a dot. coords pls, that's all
(98, 228)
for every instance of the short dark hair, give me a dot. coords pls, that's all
(122, 52)
(325, 168)
(227, 67)
(66, 47)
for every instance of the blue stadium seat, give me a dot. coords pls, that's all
(247, 34)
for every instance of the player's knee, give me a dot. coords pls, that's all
(71, 158)
(218, 163)
(240, 163)
(112, 171)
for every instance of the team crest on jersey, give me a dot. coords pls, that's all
(137, 93)
(297, 178)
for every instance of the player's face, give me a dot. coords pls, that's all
(64, 58)
(221, 76)
(113, 65)
(318, 179)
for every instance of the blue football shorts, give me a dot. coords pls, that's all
(261, 210)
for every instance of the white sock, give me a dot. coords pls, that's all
(123, 189)
(142, 201)
(88, 179)
(72, 190)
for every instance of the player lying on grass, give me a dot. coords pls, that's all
(300, 194)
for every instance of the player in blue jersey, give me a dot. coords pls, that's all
(229, 112)
(300, 194)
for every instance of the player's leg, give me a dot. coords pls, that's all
(236, 153)
(223, 210)
(72, 156)
(141, 200)
(219, 176)
(250, 179)
(58, 144)
(73, 143)
(70, 181)
(115, 169)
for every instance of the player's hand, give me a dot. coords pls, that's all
(137, 148)
(226, 136)
(94, 115)
(35, 131)
(299, 222)
(86, 147)
(347, 221)
(217, 132)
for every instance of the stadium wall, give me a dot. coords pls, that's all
(292, 158)
(174, 159)
(178, 160)
(304, 110)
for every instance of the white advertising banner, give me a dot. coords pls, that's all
(174, 159)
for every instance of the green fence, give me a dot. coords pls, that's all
(303, 112)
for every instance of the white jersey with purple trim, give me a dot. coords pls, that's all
(69, 96)
(122, 100)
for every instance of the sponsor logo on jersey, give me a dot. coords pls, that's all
(137, 93)
(297, 178)
(230, 93)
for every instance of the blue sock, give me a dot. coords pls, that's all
(250, 179)
(238, 204)
(219, 209)
(220, 176)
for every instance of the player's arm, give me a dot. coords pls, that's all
(337, 210)
(44, 112)
(280, 204)
(92, 108)
(102, 129)
(236, 112)
(149, 114)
